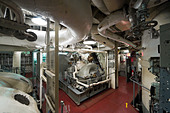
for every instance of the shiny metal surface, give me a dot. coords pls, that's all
(89, 70)
(15, 81)
(10, 105)
(75, 15)
(109, 21)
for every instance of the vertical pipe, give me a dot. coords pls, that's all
(62, 105)
(98, 46)
(33, 75)
(107, 65)
(116, 65)
(133, 94)
(47, 41)
(38, 72)
(38, 69)
(40, 92)
(135, 73)
(137, 60)
(56, 67)
(48, 44)
(41, 71)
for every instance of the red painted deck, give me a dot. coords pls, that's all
(109, 101)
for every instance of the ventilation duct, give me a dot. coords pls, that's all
(109, 21)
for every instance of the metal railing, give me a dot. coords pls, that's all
(139, 85)
(63, 106)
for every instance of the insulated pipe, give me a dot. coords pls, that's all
(75, 15)
(85, 85)
(109, 21)
(94, 84)
(101, 6)
(74, 76)
(90, 47)
(117, 38)
(101, 39)
(15, 101)
(15, 8)
(108, 6)
(137, 4)
(16, 81)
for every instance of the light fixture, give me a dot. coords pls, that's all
(126, 51)
(39, 21)
(119, 47)
(37, 46)
(128, 54)
(62, 53)
(89, 41)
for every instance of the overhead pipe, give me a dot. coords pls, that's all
(15, 8)
(101, 6)
(101, 39)
(109, 21)
(108, 6)
(87, 46)
(85, 85)
(137, 4)
(68, 15)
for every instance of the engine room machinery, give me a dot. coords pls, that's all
(159, 92)
(13, 94)
(82, 75)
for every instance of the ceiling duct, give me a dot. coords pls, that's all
(101, 39)
(101, 6)
(108, 6)
(109, 21)
(68, 14)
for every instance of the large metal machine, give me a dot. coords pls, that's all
(82, 75)
(13, 94)
(160, 98)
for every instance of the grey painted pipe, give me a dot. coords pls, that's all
(109, 21)
(101, 39)
(75, 15)
(101, 6)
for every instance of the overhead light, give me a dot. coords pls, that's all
(89, 41)
(37, 46)
(128, 54)
(39, 21)
(126, 51)
(119, 47)
(62, 53)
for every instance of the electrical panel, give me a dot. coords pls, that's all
(6, 60)
(26, 62)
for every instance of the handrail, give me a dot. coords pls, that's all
(49, 103)
(138, 83)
